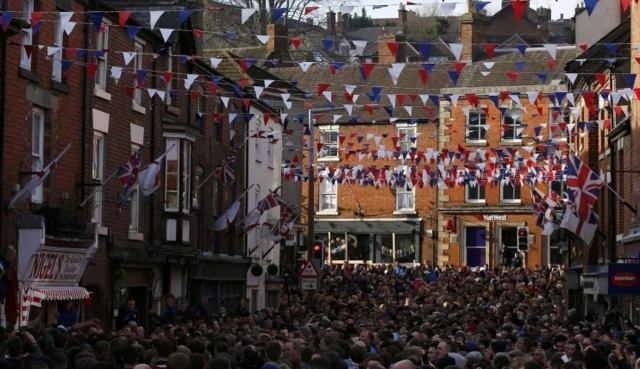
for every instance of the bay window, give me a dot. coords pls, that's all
(177, 188)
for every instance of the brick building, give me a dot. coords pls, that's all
(154, 244)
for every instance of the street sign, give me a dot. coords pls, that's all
(309, 270)
(309, 284)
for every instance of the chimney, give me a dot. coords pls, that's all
(402, 17)
(384, 54)
(309, 21)
(561, 16)
(331, 23)
(473, 32)
(340, 27)
(345, 23)
(279, 41)
(543, 16)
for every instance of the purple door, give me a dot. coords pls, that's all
(476, 246)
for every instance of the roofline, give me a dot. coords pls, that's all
(619, 31)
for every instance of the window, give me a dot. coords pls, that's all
(475, 192)
(256, 233)
(217, 131)
(27, 35)
(329, 139)
(557, 127)
(328, 195)
(405, 193)
(102, 44)
(202, 111)
(134, 203)
(512, 125)
(509, 246)
(139, 64)
(37, 148)
(58, 41)
(557, 240)
(405, 136)
(217, 198)
(559, 186)
(510, 191)
(476, 123)
(256, 147)
(186, 176)
(97, 173)
(171, 181)
(173, 84)
(270, 153)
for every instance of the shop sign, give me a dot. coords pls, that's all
(494, 218)
(290, 240)
(624, 279)
(48, 266)
(590, 286)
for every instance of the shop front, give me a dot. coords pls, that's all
(219, 281)
(51, 262)
(379, 241)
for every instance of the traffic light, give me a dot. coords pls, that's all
(523, 239)
(318, 251)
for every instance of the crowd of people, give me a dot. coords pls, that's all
(361, 317)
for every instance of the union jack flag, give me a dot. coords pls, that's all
(226, 172)
(128, 175)
(583, 186)
(271, 201)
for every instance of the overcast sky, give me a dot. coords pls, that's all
(566, 7)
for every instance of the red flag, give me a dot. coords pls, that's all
(519, 7)
(367, 68)
(35, 18)
(91, 70)
(129, 91)
(551, 64)
(583, 47)
(348, 96)
(395, 141)
(70, 53)
(601, 77)
(428, 109)
(369, 108)
(317, 117)
(625, 4)
(322, 87)
(310, 9)
(513, 76)
(266, 117)
(504, 95)
(555, 115)
(195, 94)
(424, 76)
(198, 33)
(246, 102)
(213, 88)
(28, 49)
(489, 48)
(243, 82)
(588, 97)
(123, 17)
(296, 41)
(400, 99)
(459, 66)
(473, 100)
(413, 97)
(393, 47)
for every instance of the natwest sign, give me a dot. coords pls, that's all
(494, 218)
(55, 267)
(624, 279)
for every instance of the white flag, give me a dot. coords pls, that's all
(149, 177)
(584, 230)
(229, 215)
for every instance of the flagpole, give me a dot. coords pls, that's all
(99, 188)
(624, 202)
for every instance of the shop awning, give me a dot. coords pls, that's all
(64, 293)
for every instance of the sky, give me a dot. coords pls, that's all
(566, 7)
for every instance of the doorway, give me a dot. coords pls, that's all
(141, 295)
(475, 239)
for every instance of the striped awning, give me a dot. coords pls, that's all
(64, 293)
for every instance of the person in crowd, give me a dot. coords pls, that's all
(128, 313)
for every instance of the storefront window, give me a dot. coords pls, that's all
(405, 248)
(382, 250)
(557, 239)
(358, 245)
(509, 247)
(338, 247)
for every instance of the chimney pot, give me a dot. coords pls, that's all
(561, 16)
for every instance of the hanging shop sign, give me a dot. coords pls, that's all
(624, 279)
(55, 267)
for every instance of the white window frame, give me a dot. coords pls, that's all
(330, 145)
(513, 126)
(102, 43)
(173, 76)
(26, 35)
(37, 149)
(563, 188)
(185, 161)
(502, 192)
(478, 124)
(470, 200)
(404, 191)
(257, 146)
(270, 156)
(553, 124)
(58, 41)
(175, 149)
(134, 203)
(323, 186)
(97, 174)
(405, 143)
(138, 63)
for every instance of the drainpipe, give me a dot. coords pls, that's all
(435, 228)
(83, 150)
(152, 153)
(3, 100)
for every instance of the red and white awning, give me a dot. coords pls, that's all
(64, 293)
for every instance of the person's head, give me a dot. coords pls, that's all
(306, 353)
(15, 347)
(273, 351)
(357, 353)
(366, 337)
(404, 364)
(131, 303)
(178, 360)
(320, 362)
(220, 362)
(444, 348)
(292, 348)
(555, 363)
(164, 348)
(630, 353)
(560, 341)
(572, 346)
(170, 299)
(524, 345)
(432, 353)
(10, 254)
(130, 356)
(540, 356)
(59, 360)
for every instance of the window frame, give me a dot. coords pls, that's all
(477, 127)
(102, 43)
(563, 188)
(27, 34)
(170, 141)
(502, 192)
(332, 144)
(514, 126)
(58, 41)
(322, 192)
(97, 174)
(171, 101)
(470, 200)
(37, 158)
(187, 174)
(202, 110)
(552, 124)
(401, 128)
(134, 203)
(217, 198)
(404, 191)
(138, 63)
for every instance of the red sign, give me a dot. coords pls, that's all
(48, 266)
(624, 279)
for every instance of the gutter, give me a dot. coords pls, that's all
(3, 103)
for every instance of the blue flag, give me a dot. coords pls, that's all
(327, 42)
(132, 31)
(184, 15)
(278, 13)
